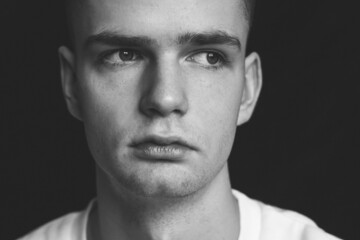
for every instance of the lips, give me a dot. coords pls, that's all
(161, 148)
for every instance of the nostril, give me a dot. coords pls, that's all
(164, 104)
(152, 112)
(178, 111)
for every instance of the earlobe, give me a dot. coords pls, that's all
(252, 87)
(69, 81)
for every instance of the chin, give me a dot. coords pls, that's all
(162, 182)
(158, 179)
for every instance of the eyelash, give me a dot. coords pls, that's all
(221, 62)
(104, 58)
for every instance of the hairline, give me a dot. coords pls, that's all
(247, 6)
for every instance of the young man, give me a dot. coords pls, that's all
(161, 86)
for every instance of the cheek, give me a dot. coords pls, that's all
(99, 126)
(107, 99)
(222, 128)
(217, 99)
(216, 107)
(107, 114)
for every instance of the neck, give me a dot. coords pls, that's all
(210, 213)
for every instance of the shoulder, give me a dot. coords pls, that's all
(276, 223)
(281, 224)
(63, 228)
(71, 226)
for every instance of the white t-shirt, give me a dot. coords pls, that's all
(258, 221)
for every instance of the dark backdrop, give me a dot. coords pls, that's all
(299, 151)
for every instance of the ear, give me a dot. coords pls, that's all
(69, 81)
(251, 88)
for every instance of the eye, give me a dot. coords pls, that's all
(212, 58)
(121, 57)
(207, 59)
(126, 55)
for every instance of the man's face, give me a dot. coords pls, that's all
(159, 86)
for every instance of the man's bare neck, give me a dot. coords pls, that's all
(212, 213)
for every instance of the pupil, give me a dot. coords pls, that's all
(212, 58)
(126, 55)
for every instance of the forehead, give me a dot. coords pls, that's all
(159, 19)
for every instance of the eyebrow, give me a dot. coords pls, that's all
(188, 38)
(208, 38)
(113, 38)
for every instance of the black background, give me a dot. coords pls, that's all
(299, 151)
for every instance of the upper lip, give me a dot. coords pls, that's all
(162, 141)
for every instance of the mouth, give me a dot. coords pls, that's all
(161, 148)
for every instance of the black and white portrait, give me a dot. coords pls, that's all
(193, 119)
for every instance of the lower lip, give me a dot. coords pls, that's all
(171, 152)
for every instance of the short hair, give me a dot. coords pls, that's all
(249, 9)
(70, 6)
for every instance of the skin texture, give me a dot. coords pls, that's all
(166, 89)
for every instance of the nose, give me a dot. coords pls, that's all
(164, 91)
